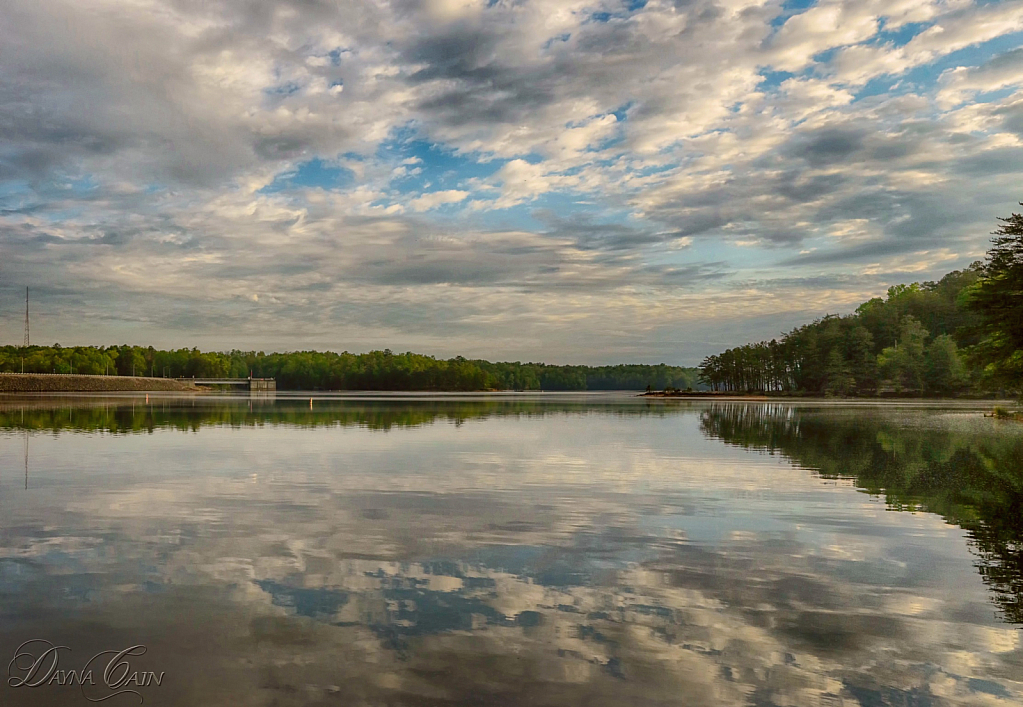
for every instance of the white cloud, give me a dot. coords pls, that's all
(827, 25)
(438, 198)
(139, 140)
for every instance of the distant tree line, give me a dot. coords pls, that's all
(963, 333)
(316, 370)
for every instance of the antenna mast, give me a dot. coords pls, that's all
(26, 318)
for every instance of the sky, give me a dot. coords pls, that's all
(569, 182)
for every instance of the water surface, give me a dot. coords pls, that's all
(515, 550)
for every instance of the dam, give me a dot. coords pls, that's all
(252, 384)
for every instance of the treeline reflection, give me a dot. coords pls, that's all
(119, 417)
(971, 477)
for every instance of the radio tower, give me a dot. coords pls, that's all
(26, 318)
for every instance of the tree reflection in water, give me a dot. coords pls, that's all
(971, 477)
(549, 551)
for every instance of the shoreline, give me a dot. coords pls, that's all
(14, 384)
(706, 394)
(711, 395)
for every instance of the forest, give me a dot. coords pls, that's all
(962, 334)
(319, 370)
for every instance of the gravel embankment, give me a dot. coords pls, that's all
(73, 383)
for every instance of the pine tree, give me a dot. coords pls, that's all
(998, 298)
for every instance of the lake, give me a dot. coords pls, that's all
(508, 550)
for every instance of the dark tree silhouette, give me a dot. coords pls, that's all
(998, 299)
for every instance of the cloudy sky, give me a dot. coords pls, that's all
(561, 180)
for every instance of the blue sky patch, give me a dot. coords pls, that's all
(315, 173)
(439, 168)
(927, 74)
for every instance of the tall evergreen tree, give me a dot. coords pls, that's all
(998, 298)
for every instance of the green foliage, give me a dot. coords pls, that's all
(316, 370)
(907, 343)
(86, 360)
(998, 299)
(838, 375)
(903, 364)
(944, 368)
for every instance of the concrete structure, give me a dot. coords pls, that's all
(253, 384)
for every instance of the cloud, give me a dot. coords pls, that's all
(963, 83)
(827, 25)
(438, 198)
(500, 155)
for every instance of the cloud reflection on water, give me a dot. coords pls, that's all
(497, 555)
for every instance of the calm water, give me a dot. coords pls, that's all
(597, 550)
